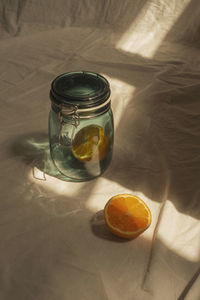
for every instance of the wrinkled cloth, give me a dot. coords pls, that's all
(54, 242)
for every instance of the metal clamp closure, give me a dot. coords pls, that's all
(68, 115)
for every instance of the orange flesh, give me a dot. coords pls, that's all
(90, 143)
(127, 215)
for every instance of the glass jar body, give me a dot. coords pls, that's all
(81, 152)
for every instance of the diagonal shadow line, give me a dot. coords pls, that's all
(189, 285)
(150, 258)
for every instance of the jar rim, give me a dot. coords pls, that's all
(83, 89)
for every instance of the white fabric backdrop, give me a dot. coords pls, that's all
(54, 243)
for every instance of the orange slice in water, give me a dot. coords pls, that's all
(127, 215)
(90, 144)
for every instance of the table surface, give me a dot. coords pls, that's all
(54, 241)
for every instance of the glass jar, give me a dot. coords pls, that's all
(80, 125)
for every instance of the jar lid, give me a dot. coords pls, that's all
(82, 89)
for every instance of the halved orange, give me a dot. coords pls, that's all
(127, 215)
(90, 144)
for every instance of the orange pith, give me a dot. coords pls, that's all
(127, 215)
(90, 144)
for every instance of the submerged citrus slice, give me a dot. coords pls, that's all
(127, 215)
(90, 144)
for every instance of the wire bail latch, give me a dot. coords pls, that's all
(68, 115)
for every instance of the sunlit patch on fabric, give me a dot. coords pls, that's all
(149, 29)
